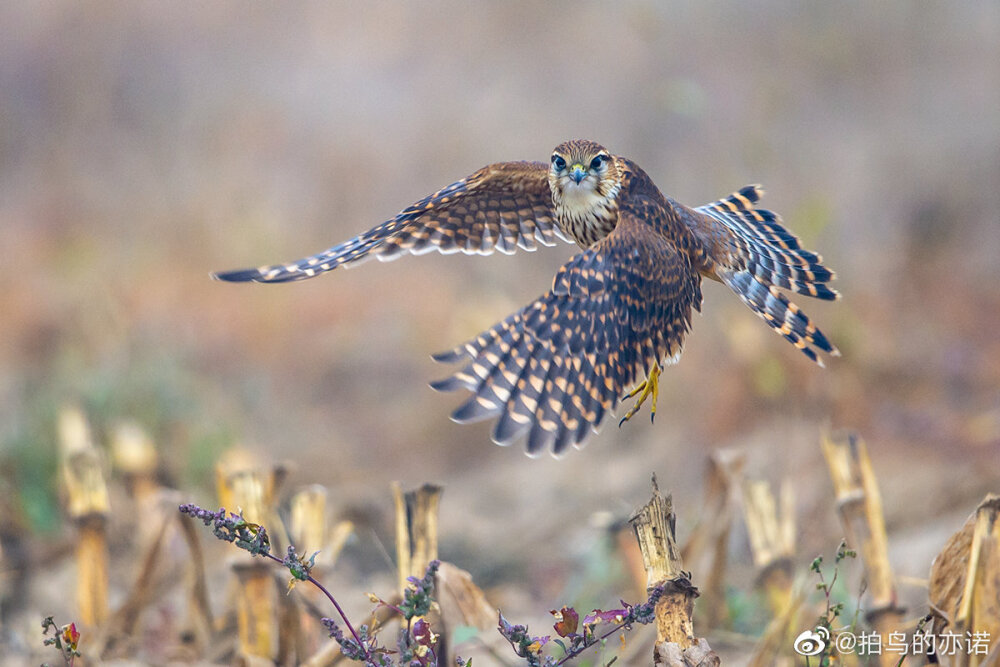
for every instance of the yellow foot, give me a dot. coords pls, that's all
(649, 386)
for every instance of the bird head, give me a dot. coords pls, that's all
(581, 169)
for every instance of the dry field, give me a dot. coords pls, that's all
(143, 145)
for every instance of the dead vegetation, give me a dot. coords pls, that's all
(264, 618)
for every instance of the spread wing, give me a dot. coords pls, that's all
(500, 207)
(555, 369)
(751, 251)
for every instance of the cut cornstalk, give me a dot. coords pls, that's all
(707, 547)
(859, 505)
(654, 527)
(256, 609)
(417, 541)
(308, 521)
(134, 454)
(307, 529)
(416, 530)
(251, 491)
(88, 505)
(460, 601)
(310, 532)
(772, 540)
(771, 530)
(964, 589)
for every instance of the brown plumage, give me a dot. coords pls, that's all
(554, 370)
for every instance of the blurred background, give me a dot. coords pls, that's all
(143, 145)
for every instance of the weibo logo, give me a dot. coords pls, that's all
(812, 642)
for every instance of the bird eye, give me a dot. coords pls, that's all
(596, 163)
(558, 162)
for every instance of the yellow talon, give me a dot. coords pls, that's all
(649, 386)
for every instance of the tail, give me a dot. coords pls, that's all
(762, 256)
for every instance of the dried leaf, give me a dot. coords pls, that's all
(567, 621)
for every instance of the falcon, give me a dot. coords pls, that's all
(617, 312)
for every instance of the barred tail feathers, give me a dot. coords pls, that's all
(765, 256)
(767, 250)
(780, 314)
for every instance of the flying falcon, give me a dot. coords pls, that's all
(617, 311)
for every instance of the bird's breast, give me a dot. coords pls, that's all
(586, 215)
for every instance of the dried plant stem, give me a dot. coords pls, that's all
(308, 527)
(252, 490)
(859, 505)
(416, 530)
(417, 539)
(256, 612)
(772, 541)
(707, 546)
(135, 457)
(980, 608)
(964, 587)
(92, 569)
(88, 504)
(654, 529)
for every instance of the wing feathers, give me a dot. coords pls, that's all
(498, 208)
(554, 370)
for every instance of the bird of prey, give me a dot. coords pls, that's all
(616, 312)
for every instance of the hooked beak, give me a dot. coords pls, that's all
(577, 173)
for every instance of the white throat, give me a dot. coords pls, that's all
(581, 199)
